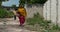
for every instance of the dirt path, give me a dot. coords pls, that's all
(12, 26)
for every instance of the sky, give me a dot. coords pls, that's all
(11, 2)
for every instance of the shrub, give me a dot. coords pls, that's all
(5, 14)
(10, 14)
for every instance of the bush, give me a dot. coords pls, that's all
(10, 14)
(5, 14)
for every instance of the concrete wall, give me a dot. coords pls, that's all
(34, 9)
(45, 11)
(53, 10)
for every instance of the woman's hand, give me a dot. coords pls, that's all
(17, 15)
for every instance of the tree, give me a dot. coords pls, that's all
(1, 2)
(32, 1)
(13, 6)
(21, 2)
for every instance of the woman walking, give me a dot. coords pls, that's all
(21, 15)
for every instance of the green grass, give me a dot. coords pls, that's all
(45, 24)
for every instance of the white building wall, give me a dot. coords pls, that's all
(53, 10)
